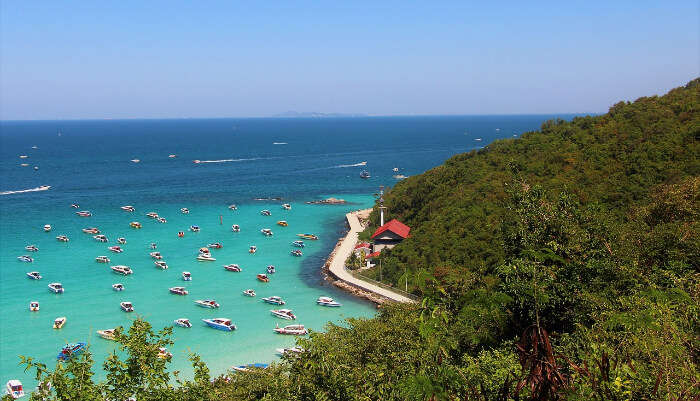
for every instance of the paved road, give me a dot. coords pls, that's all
(337, 266)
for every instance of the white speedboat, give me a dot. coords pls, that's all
(84, 213)
(25, 258)
(154, 245)
(162, 220)
(128, 208)
(91, 230)
(56, 288)
(156, 255)
(118, 287)
(235, 228)
(102, 259)
(205, 257)
(31, 248)
(163, 353)
(265, 212)
(100, 238)
(232, 207)
(63, 238)
(204, 250)
(152, 215)
(296, 252)
(249, 292)
(215, 245)
(266, 232)
(185, 210)
(34, 306)
(135, 160)
(186, 276)
(207, 303)
(126, 306)
(233, 268)
(135, 224)
(365, 174)
(123, 270)
(121, 241)
(271, 269)
(172, 156)
(14, 389)
(75, 206)
(327, 301)
(178, 291)
(47, 227)
(253, 249)
(286, 206)
(298, 244)
(183, 322)
(275, 300)
(289, 351)
(292, 329)
(194, 229)
(220, 323)
(284, 314)
(59, 322)
(248, 367)
(34, 275)
(161, 264)
(395, 169)
(107, 334)
(116, 249)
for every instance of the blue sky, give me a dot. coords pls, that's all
(158, 59)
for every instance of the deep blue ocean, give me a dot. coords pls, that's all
(297, 160)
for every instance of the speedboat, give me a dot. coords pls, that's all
(292, 329)
(395, 169)
(249, 292)
(207, 303)
(327, 301)
(135, 160)
(296, 252)
(271, 269)
(34, 275)
(253, 249)
(235, 228)
(185, 210)
(233, 268)
(156, 255)
(75, 206)
(172, 156)
(282, 223)
(364, 174)
(56, 288)
(275, 300)
(91, 230)
(84, 213)
(286, 206)
(215, 245)
(135, 224)
(232, 207)
(31, 248)
(263, 277)
(25, 258)
(161, 264)
(205, 257)
(220, 323)
(178, 291)
(123, 270)
(194, 229)
(100, 238)
(47, 227)
(62, 238)
(116, 249)
(162, 220)
(248, 367)
(298, 244)
(59, 322)
(265, 212)
(289, 351)
(266, 232)
(118, 287)
(107, 334)
(183, 322)
(71, 349)
(186, 276)
(180, 234)
(164, 354)
(14, 389)
(34, 306)
(102, 259)
(284, 314)
(128, 208)
(308, 236)
(205, 250)
(154, 245)
(126, 306)
(152, 215)
(121, 240)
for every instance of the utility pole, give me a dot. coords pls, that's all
(381, 205)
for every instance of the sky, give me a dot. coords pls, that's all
(185, 59)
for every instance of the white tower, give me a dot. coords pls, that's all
(381, 205)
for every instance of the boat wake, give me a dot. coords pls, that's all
(21, 191)
(351, 165)
(225, 160)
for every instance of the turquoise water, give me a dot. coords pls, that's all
(88, 162)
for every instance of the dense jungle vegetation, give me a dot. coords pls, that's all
(562, 265)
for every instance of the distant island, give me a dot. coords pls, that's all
(314, 114)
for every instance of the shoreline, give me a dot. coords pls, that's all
(334, 271)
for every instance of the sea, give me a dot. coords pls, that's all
(255, 163)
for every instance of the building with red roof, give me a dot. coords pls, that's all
(390, 234)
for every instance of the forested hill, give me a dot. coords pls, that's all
(456, 210)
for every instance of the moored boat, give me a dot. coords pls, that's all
(31, 248)
(162, 220)
(286, 206)
(121, 240)
(292, 329)
(220, 323)
(34, 275)
(235, 228)
(25, 258)
(126, 306)
(135, 224)
(327, 301)
(183, 322)
(308, 236)
(71, 349)
(274, 300)
(152, 215)
(14, 389)
(62, 238)
(289, 351)
(118, 287)
(107, 334)
(194, 229)
(56, 288)
(91, 230)
(180, 234)
(75, 206)
(161, 264)
(232, 207)
(298, 244)
(164, 354)
(207, 303)
(102, 259)
(100, 238)
(282, 223)
(215, 245)
(156, 255)
(271, 269)
(123, 270)
(253, 249)
(178, 291)
(365, 174)
(296, 252)
(263, 277)
(84, 213)
(34, 306)
(266, 212)
(205, 257)
(128, 208)
(233, 268)
(59, 322)
(284, 314)
(249, 292)
(249, 367)
(116, 249)
(266, 232)
(47, 227)
(185, 210)
(186, 276)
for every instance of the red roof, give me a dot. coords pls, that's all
(373, 255)
(362, 245)
(395, 227)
